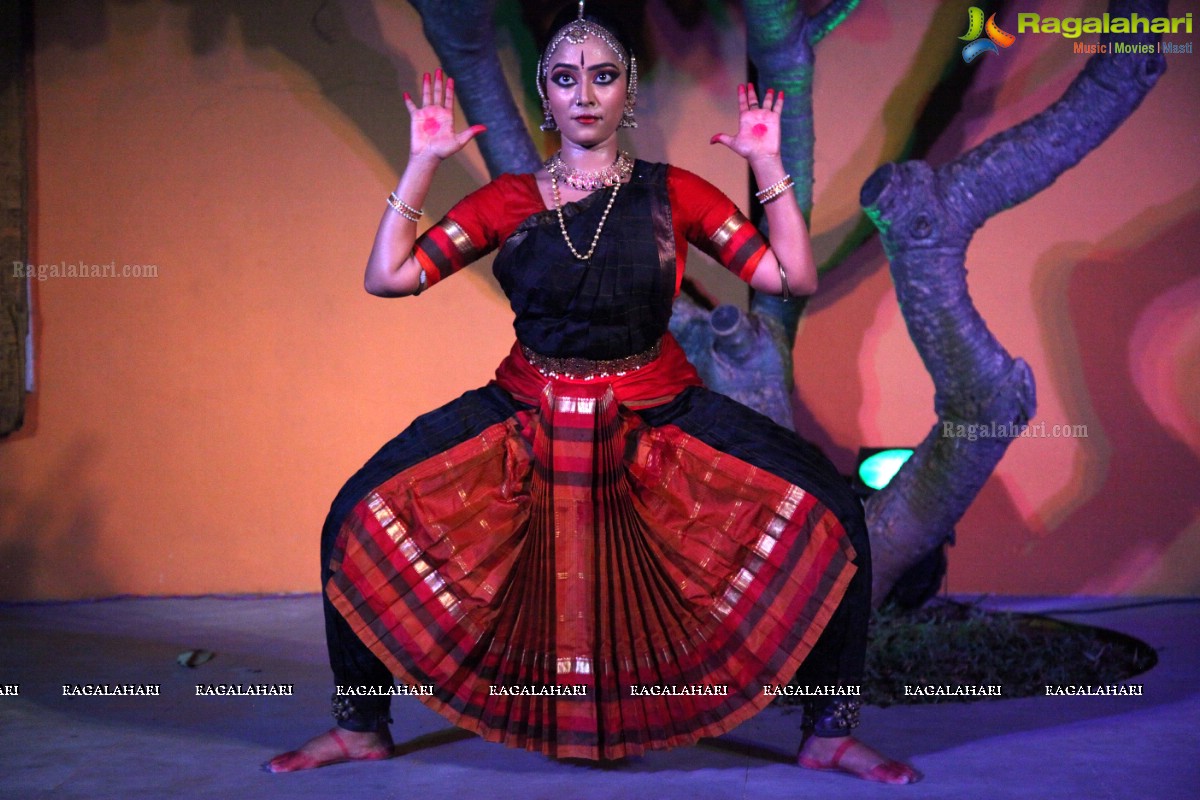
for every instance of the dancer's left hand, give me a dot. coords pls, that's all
(433, 133)
(758, 124)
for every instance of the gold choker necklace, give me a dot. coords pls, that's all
(615, 173)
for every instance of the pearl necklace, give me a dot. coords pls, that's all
(616, 172)
(562, 225)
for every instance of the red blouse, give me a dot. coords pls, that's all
(481, 221)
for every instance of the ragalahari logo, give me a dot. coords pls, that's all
(996, 38)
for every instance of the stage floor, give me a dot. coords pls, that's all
(180, 745)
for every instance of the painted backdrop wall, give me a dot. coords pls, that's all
(190, 426)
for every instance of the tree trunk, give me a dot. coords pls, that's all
(463, 34)
(749, 356)
(14, 234)
(926, 218)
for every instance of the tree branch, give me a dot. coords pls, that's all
(926, 219)
(828, 18)
(996, 175)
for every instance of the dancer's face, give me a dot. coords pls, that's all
(585, 86)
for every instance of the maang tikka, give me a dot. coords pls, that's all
(577, 32)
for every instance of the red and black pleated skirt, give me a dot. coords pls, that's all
(590, 579)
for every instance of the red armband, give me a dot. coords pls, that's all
(704, 216)
(739, 245)
(443, 250)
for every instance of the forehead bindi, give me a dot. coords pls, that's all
(590, 55)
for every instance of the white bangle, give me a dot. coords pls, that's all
(786, 294)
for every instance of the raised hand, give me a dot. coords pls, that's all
(758, 124)
(433, 131)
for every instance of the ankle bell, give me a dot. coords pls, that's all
(358, 717)
(837, 717)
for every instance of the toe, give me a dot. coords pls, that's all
(894, 772)
(292, 761)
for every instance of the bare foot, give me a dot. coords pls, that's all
(333, 747)
(847, 754)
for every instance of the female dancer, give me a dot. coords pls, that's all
(593, 555)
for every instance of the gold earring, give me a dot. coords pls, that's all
(627, 118)
(548, 123)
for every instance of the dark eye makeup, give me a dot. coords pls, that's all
(565, 78)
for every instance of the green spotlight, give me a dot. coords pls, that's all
(876, 470)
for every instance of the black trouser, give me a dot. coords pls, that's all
(354, 666)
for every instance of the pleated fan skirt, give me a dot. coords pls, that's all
(588, 581)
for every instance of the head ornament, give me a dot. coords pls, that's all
(577, 32)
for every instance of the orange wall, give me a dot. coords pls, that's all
(189, 430)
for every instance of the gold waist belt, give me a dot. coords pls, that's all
(583, 369)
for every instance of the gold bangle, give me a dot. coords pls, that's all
(775, 190)
(776, 196)
(395, 200)
(773, 187)
(404, 209)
